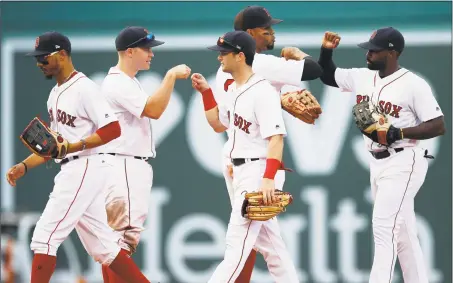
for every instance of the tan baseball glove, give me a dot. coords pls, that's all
(302, 105)
(42, 141)
(254, 208)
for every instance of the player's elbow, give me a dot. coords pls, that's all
(441, 130)
(312, 70)
(218, 129)
(439, 126)
(152, 114)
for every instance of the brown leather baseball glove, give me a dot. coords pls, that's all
(254, 208)
(302, 105)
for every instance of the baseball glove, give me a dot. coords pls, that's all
(302, 105)
(374, 124)
(42, 141)
(254, 208)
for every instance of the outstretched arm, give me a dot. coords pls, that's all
(211, 109)
(329, 42)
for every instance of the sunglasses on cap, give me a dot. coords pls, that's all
(148, 37)
(42, 59)
(222, 42)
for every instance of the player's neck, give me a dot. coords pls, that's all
(66, 73)
(242, 75)
(127, 68)
(389, 70)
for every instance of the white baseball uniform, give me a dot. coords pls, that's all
(256, 115)
(77, 109)
(127, 201)
(407, 101)
(279, 72)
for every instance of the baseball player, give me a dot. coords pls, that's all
(256, 146)
(80, 113)
(397, 169)
(293, 67)
(127, 201)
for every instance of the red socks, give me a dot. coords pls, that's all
(246, 273)
(124, 267)
(42, 268)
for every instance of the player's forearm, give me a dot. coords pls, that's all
(100, 137)
(34, 160)
(158, 102)
(328, 67)
(426, 130)
(275, 147)
(212, 116)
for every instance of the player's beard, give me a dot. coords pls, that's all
(377, 65)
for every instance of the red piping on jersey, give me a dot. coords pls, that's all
(399, 209)
(379, 95)
(129, 227)
(56, 104)
(234, 108)
(242, 252)
(109, 132)
(83, 178)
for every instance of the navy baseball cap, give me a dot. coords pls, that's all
(50, 42)
(384, 39)
(236, 41)
(131, 37)
(254, 17)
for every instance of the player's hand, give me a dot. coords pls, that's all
(330, 40)
(293, 53)
(268, 190)
(199, 83)
(15, 173)
(181, 71)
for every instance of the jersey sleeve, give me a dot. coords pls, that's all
(131, 100)
(269, 113)
(424, 103)
(278, 70)
(96, 107)
(346, 79)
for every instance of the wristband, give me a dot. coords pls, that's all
(272, 165)
(401, 132)
(208, 100)
(25, 165)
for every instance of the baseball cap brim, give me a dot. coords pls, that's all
(221, 48)
(370, 46)
(275, 21)
(38, 53)
(151, 43)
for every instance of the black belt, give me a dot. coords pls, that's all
(384, 154)
(136, 157)
(240, 161)
(67, 159)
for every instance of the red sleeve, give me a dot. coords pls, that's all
(109, 132)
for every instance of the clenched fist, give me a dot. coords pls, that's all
(199, 82)
(14, 173)
(293, 53)
(181, 71)
(330, 40)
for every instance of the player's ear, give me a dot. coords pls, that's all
(251, 31)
